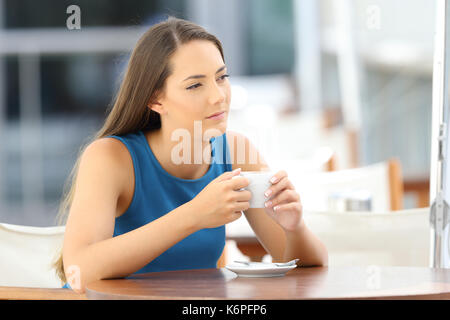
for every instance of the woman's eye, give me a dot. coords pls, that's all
(224, 76)
(194, 86)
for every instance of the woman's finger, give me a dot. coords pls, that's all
(278, 176)
(287, 206)
(286, 196)
(243, 195)
(242, 206)
(282, 184)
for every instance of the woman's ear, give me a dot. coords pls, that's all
(156, 105)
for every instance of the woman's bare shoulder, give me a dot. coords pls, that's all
(106, 147)
(107, 155)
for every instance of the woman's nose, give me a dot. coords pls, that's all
(217, 94)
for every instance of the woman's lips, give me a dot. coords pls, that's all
(217, 116)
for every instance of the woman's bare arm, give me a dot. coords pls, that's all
(89, 245)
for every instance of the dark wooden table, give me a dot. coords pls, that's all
(363, 282)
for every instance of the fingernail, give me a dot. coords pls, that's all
(268, 203)
(267, 193)
(274, 179)
(275, 208)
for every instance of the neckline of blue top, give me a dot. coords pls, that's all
(161, 169)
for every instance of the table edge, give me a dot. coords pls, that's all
(29, 293)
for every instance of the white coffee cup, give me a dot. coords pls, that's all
(259, 182)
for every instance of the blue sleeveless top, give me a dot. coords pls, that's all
(157, 192)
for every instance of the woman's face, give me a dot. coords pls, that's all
(197, 88)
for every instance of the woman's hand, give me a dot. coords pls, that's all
(283, 202)
(221, 201)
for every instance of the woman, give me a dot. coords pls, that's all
(135, 206)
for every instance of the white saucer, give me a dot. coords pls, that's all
(259, 270)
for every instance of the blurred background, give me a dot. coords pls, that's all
(317, 86)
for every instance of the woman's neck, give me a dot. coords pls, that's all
(185, 158)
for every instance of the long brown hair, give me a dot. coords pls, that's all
(145, 76)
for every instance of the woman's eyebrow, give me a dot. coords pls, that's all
(197, 76)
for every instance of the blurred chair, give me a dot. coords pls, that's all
(26, 255)
(382, 181)
(419, 186)
(387, 238)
